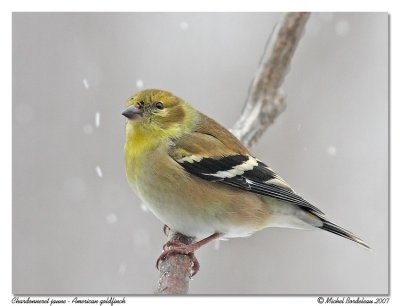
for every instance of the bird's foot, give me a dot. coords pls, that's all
(186, 249)
(180, 248)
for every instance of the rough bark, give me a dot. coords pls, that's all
(175, 270)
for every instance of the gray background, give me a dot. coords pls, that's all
(78, 232)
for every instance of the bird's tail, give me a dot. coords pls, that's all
(336, 229)
(293, 216)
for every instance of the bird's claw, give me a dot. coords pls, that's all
(179, 248)
(166, 230)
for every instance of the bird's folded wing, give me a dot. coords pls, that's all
(206, 157)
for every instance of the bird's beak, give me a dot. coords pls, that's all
(133, 113)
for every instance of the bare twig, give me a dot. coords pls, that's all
(266, 101)
(175, 270)
(264, 104)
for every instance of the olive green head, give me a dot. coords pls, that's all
(159, 111)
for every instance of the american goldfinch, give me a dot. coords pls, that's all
(199, 180)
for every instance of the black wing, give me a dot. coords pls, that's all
(244, 172)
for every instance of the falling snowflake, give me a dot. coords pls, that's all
(99, 172)
(111, 218)
(331, 150)
(97, 119)
(183, 25)
(144, 207)
(86, 83)
(139, 84)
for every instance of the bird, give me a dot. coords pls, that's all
(198, 179)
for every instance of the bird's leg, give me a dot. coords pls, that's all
(181, 248)
(186, 249)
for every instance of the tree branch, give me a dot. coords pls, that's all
(175, 270)
(265, 102)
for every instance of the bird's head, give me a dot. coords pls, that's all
(160, 113)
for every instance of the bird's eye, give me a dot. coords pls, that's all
(159, 105)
